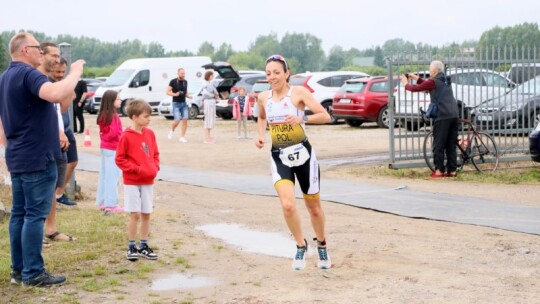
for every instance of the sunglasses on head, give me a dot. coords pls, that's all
(278, 58)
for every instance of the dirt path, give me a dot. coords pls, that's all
(377, 257)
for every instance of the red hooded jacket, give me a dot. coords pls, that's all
(137, 156)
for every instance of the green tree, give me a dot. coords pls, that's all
(3, 56)
(305, 48)
(224, 52)
(516, 42)
(265, 46)
(155, 50)
(379, 57)
(336, 59)
(247, 61)
(206, 49)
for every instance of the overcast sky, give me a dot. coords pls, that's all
(181, 25)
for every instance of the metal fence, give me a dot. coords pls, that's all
(498, 89)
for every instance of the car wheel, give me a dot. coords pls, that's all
(255, 118)
(411, 126)
(226, 116)
(354, 122)
(384, 118)
(123, 108)
(169, 117)
(328, 107)
(193, 112)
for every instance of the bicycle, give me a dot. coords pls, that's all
(474, 147)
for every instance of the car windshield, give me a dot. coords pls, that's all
(260, 86)
(118, 78)
(352, 87)
(530, 87)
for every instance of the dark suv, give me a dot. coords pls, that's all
(246, 81)
(363, 99)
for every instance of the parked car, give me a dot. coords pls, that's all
(259, 86)
(363, 99)
(534, 143)
(519, 108)
(471, 87)
(324, 85)
(521, 72)
(246, 81)
(92, 85)
(194, 103)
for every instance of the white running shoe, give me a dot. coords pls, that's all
(170, 135)
(324, 259)
(299, 261)
(183, 140)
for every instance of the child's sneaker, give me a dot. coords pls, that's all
(132, 254)
(299, 261)
(324, 260)
(148, 253)
(170, 135)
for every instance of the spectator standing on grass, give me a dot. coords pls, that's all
(78, 106)
(282, 108)
(209, 96)
(178, 89)
(51, 57)
(29, 123)
(110, 130)
(241, 111)
(138, 158)
(71, 153)
(445, 126)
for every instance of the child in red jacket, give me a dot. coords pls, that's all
(138, 158)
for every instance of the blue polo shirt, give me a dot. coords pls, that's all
(30, 123)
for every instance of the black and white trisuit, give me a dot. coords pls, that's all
(292, 153)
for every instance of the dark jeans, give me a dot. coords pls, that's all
(78, 115)
(32, 199)
(445, 134)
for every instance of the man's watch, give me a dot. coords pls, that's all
(305, 118)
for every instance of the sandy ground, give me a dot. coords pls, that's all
(377, 257)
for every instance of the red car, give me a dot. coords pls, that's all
(363, 99)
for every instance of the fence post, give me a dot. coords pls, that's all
(391, 109)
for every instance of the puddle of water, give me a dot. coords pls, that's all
(267, 243)
(180, 281)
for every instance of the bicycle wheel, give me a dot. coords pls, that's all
(484, 153)
(428, 151)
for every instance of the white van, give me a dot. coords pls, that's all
(148, 78)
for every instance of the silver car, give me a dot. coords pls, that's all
(471, 87)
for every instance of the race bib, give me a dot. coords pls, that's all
(294, 156)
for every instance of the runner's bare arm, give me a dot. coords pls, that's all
(303, 96)
(261, 122)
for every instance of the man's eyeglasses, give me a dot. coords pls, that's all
(278, 58)
(35, 46)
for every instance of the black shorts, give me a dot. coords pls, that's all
(307, 174)
(71, 152)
